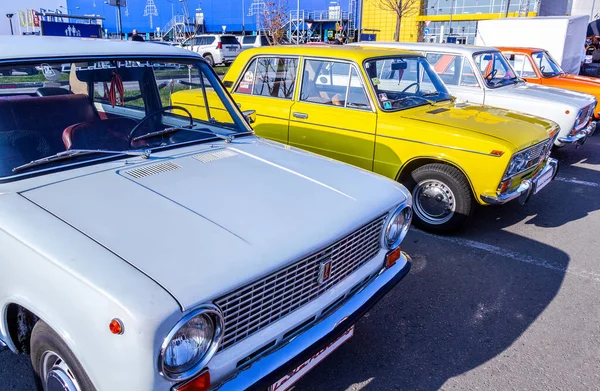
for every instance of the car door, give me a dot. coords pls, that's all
(267, 86)
(458, 74)
(332, 114)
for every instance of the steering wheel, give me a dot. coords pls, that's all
(152, 114)
(491, 75)
(410, 85)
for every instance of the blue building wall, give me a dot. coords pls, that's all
(216, 13)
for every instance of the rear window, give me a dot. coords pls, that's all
(229, 40)
(249, 39)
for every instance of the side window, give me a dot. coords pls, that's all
(467, 77)
(521, 65)
(264, 41)
(208, 40)
(332, 83)
(248, 39)
(447, 66)
(325, 82)
(356, 94)
(270, 76)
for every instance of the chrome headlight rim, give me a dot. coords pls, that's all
(402, 208)
(214, 313)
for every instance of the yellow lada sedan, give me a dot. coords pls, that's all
(387, 111)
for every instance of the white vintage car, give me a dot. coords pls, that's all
(143, 248)
(482, 75)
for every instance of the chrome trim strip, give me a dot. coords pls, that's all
(437, 145)
(524, 190)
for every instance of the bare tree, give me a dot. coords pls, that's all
(273, 19)
(401, 8)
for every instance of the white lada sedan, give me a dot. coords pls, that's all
(145, 248)
(482, 75)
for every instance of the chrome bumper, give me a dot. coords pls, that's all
(525, 189)
(580, 137)
(271, 368)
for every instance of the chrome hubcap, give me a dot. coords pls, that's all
(56, 374)
(434, 202)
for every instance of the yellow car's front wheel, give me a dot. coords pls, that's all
(441, 196)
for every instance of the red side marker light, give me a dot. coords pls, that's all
(496, 152)
(200, 383)
(392, 257)
(116, 327)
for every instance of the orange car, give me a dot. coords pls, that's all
(538, 66)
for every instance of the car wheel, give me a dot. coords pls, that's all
(55, 367)
(210, 59)
(442, 198)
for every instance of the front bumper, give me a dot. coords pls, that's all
(272, 367)
(525, 189)
(580, 137)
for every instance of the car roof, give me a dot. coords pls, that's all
(33, 47)
(356, 53)
(437, 47)
(519, 50)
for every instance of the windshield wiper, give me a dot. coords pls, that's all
(78, 152)
(415, 96)
(174, 129)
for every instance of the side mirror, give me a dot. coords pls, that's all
(487, 57)
(249, 116)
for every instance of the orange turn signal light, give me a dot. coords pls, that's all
(392, 257)
(496, 152)
(504, 185)
(116, 327)
(200, 383)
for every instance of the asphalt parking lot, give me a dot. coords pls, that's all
(509, 304)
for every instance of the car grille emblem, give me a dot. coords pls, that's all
(324, 271)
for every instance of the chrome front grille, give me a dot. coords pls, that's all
(257, 305)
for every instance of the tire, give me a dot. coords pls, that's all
(210, 59)
(46, 345)
(452, 199)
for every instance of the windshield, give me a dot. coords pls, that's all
(495, 70)
(404, 82)
(546, 64)
(103, 109)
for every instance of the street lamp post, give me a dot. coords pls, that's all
(243, 18)
(9, 16)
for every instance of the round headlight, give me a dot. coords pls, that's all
(397, 226)
(191, 344)
(516, 164)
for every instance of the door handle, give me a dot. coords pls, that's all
(300, 115)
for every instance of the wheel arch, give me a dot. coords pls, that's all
(409, 166)
(19, 322)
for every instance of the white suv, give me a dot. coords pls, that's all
(253, 41)
(216, 49)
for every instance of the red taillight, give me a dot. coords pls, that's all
(201, 383)
(392, 257)
(219, 45)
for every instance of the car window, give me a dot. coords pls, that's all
(494, 68)
(467, 77)
(106, 105)
(404, 82)
(208, 40)
(249, 40)
(447, 66)
(325, 82)
(357, 97)
(270, 76)
(521, 64)
(546, 64)
(264, 41)
(229, 40)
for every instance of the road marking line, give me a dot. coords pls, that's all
(577, 182)
(515, 256)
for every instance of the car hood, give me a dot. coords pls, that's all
(518, 129)
(539, 93)
(586, 84)
(202, 224)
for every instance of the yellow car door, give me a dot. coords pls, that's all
(267, 86)
(332, 114)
